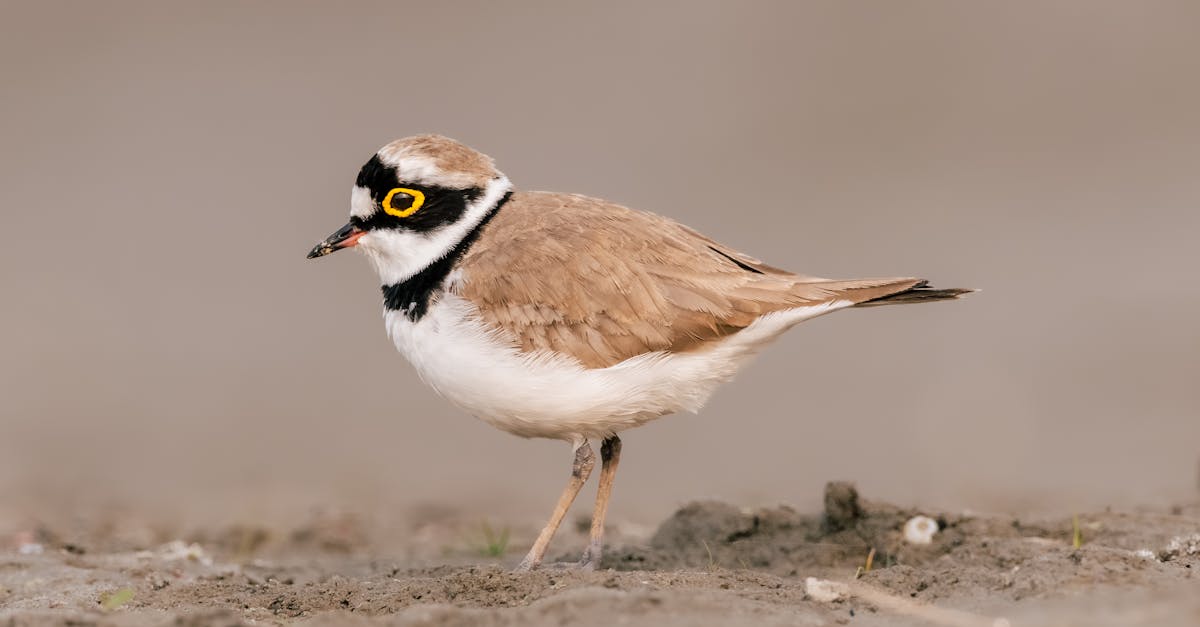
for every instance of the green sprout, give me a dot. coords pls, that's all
(117, 599)
(495, 543)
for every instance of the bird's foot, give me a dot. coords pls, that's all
(591, 558)
(588, 563)
(552, 566)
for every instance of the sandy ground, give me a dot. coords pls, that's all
(708, 564)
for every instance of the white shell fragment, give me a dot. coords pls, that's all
(30, 548)
(825, 591)
(920, 530)
(182, 551)
(1146, 554)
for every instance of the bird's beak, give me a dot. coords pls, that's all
(345, 237)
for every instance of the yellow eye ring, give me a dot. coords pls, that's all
(418, 200)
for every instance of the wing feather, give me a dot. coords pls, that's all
(602, 283)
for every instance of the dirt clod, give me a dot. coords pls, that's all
(842, 510)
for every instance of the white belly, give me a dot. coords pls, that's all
(552, 396)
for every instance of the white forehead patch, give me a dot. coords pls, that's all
(361, 204)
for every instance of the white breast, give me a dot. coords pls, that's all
(552, 396)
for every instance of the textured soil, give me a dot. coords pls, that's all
(708, 564)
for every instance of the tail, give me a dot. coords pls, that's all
(919, 293)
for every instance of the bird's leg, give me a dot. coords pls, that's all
(610, 456)
(585, 459)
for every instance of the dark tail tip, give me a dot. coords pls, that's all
(921, 293)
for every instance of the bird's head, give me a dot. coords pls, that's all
(413, 201)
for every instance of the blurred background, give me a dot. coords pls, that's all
(166, 166)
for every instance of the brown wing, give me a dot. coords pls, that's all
(603, 283)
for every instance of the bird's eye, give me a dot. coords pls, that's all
(403, 202)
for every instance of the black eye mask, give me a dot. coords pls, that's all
(413, 208)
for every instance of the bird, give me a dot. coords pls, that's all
(562, 316)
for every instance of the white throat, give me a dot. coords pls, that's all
(399, 255)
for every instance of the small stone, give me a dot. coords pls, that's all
(1181, 546)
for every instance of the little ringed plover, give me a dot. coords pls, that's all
(567, 317)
